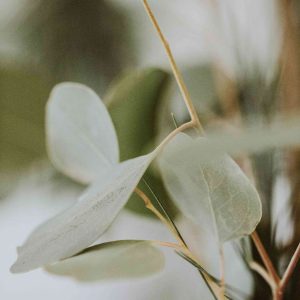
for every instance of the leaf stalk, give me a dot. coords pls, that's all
(178, 76)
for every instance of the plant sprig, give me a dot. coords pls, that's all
(277, 285)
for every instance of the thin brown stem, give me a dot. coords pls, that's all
(178, 76)
(263, 273)
(265, 257)
(290, 269)
(152, 208)
(168, 244)
(277, 285)
(222, 272)
(181, 245)
(173, 133)
(277, 295)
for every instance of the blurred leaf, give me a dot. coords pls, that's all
(81, 138)
(251, 140)
(133, 102)
(246, 249)
(112, 260)
(215, 193)
(23, 94)
(81, 225)
(70, 38)
(200, 81)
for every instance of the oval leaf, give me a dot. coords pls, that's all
(81, 225)
(81, 138)
(112, 260)
(254, 139)
(214, 193)
(133, 101)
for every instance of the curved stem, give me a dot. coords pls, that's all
(222, 272)
(151, 207)
(173, 133)
(178, 76)
(290, 269)
(265, 257)
(179, 247)
(277, 285)
(263, 273)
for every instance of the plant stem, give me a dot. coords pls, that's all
(179, 247)
(222, 272)
(290, 269)
(271, 276)
(263, 273)
(173, 133)
(265, 257)
(151, 207)
(178, 76)
(277, 285)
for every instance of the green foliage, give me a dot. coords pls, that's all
(23, 94)
(22, 101)
(70, 39)
(133, 101)
(81, 139)
(215, 194)
(205, 183)
(112, 261)
(74, 128)
(110, 149)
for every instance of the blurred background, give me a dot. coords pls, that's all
(240, 59)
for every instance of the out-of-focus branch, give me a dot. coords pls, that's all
(290, 104)
(290, 269)
(265, 257)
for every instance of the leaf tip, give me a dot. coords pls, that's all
(17, 267)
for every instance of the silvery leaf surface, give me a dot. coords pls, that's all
(214, 193)
(82, 224)
(112, 261)
(81, 138)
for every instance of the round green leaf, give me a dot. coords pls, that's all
(214, 193)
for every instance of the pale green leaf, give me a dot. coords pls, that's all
(81, 138)
(81, 225)
(254, 139)
(214, 193)
(112, 260)
(133, 101)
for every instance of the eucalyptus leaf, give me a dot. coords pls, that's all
(132, 101)
(214, 193)
(81, 225)
(81, 138)
(112, 260)
(253, 139)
